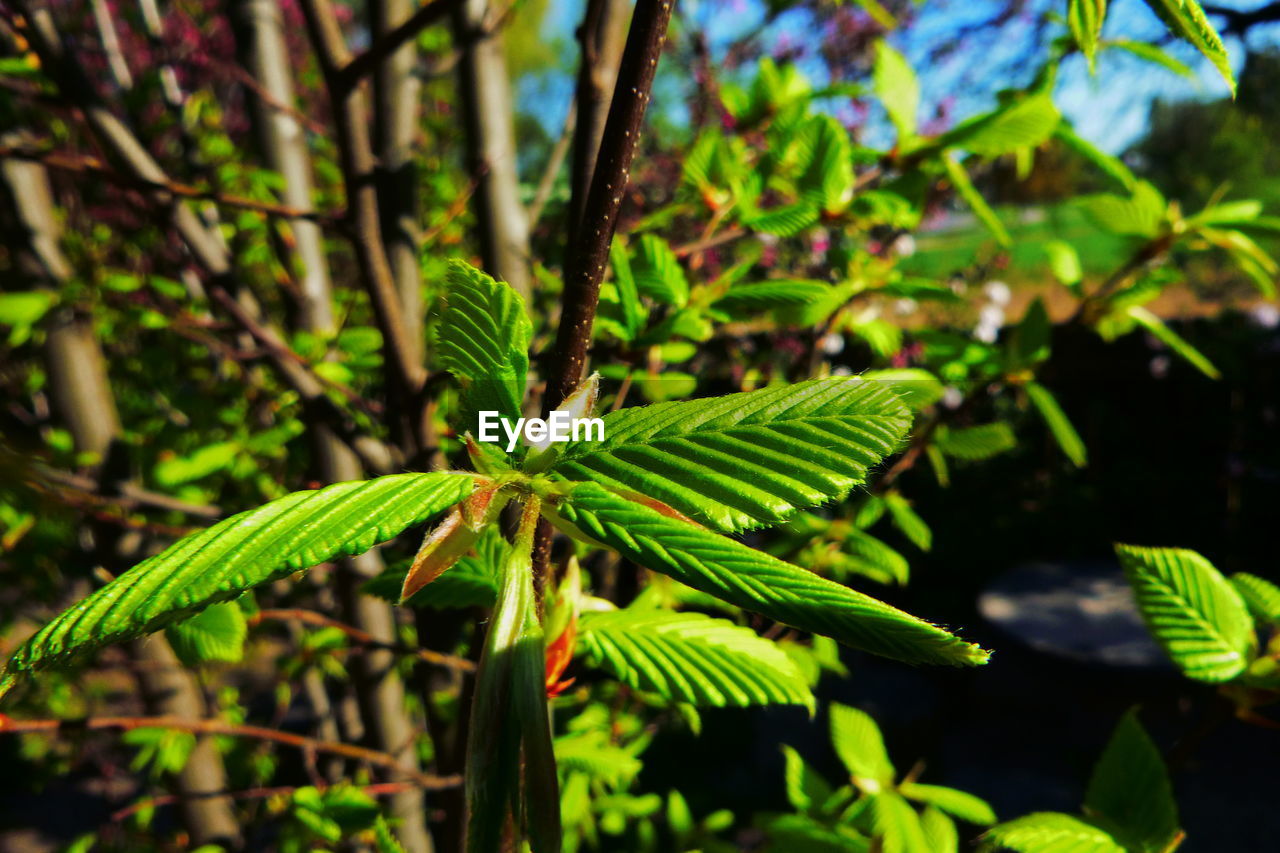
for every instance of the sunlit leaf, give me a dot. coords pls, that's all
(1191, 609)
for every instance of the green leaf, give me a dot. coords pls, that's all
(827, 164)
(1059, 425)
(657, 271)
(795, 833)
(863, 554)
(177, 470)
(1064, 263)
(753, 580)
(916, 388)
(976, 442)
(784, 221)
(1024, 123)
(897, 824)
(1191, 609)
(908, 521)
(633, 314)
(1085, 18)
(806, 789)
(1130, 789)
(1051, 832)
(593, 754)
(750, 459)
(860, 746)
(1151, 53)
(1186, 19)
(692, 657)
(255, 547)
(897, 88)
(1172, 340)
(1261, 596)
(483, 340)
(216, 633)
(1251, 257)
(1029, 343)
(510, 757)
(954, 802)
(966, 190)
(384, 840)
(1141, 214)
(757, 297)
(1238, 212)
(1111, 166)
(878, 13)
(939, 831)
(23, 309)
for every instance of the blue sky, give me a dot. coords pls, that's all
(1110, 108)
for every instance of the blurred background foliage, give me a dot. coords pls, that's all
(1075, 293)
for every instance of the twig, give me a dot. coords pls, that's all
(456, 208)
(131, 494)
(558, 152)
(586, 261)
(364, 638)
(82, 163)
(308, 745)
(351, 73)
(702, 245)
(1145, 254)
(376, 790)
(919, 442)
(590, 254)
(269, 340)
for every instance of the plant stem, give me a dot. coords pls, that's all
(589, 252)
(600, 37)
(364, 638)
(308, 745)
(585, 265)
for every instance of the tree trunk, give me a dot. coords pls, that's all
(282, 143)
(82, 393)
(490, 121)
(395, 123)
(378, 688)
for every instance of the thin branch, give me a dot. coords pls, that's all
(309, 382)
(84, 163)
(299, 375)
(456, 208)
(131, 495)
(350, 74)
(590, 252)
(379, 789)
(406, 374)
(701, 245)
(308, 745)
(554, 163)
(364, 638)
(1239, 21)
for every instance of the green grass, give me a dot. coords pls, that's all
(941, 253)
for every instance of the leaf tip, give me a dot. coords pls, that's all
(974, 655)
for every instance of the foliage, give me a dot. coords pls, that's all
(819, 317)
